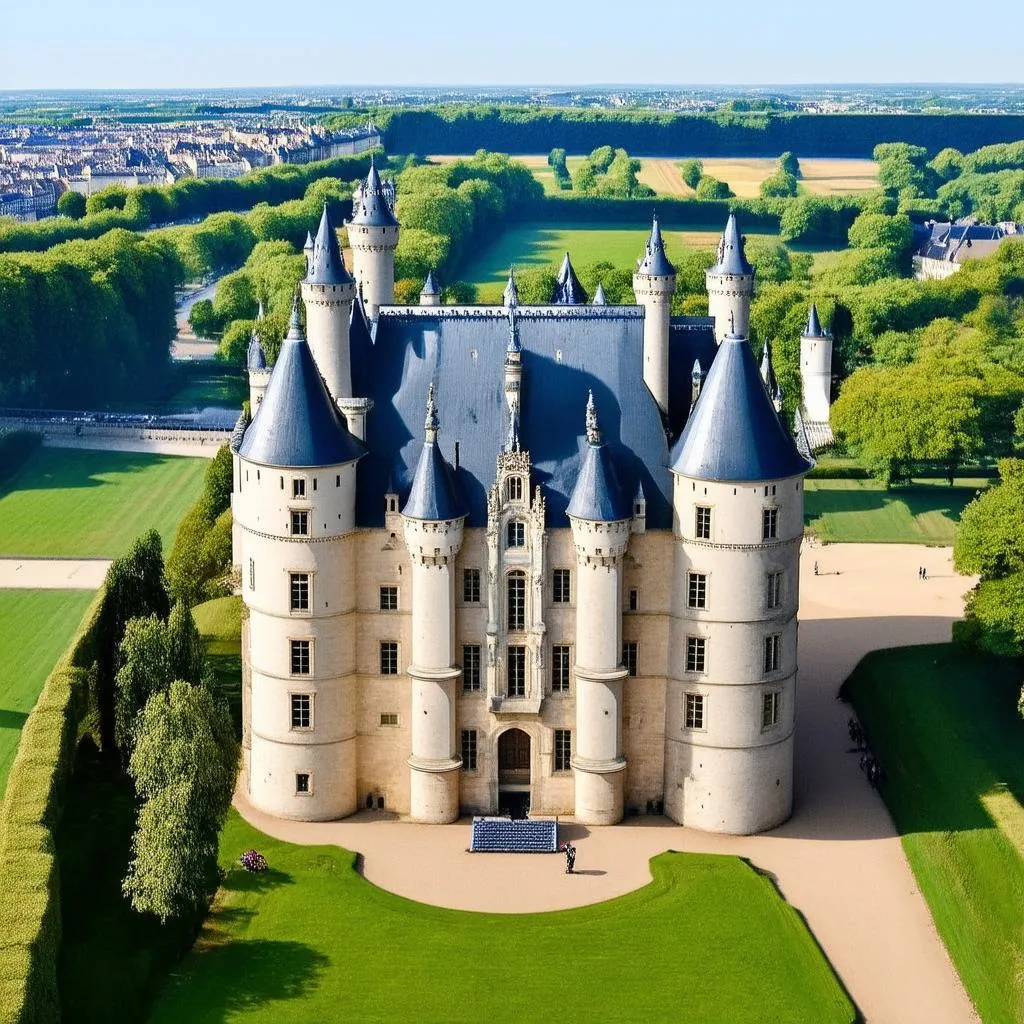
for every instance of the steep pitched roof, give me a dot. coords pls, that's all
(599, 296)
(326, 265)
(813, 329)
(373, 209)
(255, 357)
(434, 494)
(597, 495)
(768, 371)
(430, 285)
(734, 432)
(297, 424)
(655, 263)
(732, 259)
(568, 290)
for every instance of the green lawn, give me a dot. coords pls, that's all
(35, 627)
(944, 723)
(76, 503)
(863, 511)
(708, 940)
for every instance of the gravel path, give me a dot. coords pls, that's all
(52, 573)
(117, 444)
(838, 860)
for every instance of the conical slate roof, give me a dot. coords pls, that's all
(297, 424)
(434, 494)
(326, 265)
(360, 346)
(733, 432)
(430, 285)
(255, 357)
(568, 290)
(599, 296)
(731, 258)
(373, 209)
(597, 495)
(655, 263)
(768, 371)
(308, 245)
(813, 329)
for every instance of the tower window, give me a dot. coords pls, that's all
(515, 535)
(389, 599)
(303, 785)
(770, 710)
(562, 586)
(769, 523)
(470, 668)
(389, 718)
(772, 645)
(514, 488)
(633, 599)
(696, 649)
(388, 658)
(560, 668)
(469, 750)
(696, 590)
(563, 750)
(630, 655)
(299, 591)
(702, 526)
(300, 524)
(516, 672)
(694, 711)
(300, 657)
(516, 586)
(471, 586)
(302, 710)
(774, 589)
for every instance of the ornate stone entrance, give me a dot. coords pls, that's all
(514, 773)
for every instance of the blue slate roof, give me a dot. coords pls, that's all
(373, 208)
(732, 260)
(297, 424)
(768, 371)
(813, 329)
(734, 432)
(599, 297)
(568, 290)
(434, 494)
(360, 344)
(430, 285)
(690, 339)
(566, 353)
(597, 496)
(255, 357)
(655, 263)
(326, 265)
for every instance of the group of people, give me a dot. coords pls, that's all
(922, 573)
(868, 764)
(570, 856)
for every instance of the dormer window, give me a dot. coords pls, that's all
(514, 488)
(515, 535)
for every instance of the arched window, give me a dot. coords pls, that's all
(515, 535)
(514, 488)
(516, 590)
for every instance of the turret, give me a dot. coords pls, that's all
(730, 284)
(654, 284)
(771, 383)
(307, 250)
(696, 381)
(738, 524)
(373, 237)
(599, 296)
(433, 519)
(513, 381)
(816, 369)
(430, 294)
(599, 513)
(259, 372)
(568, 290)
(511, 293)
(328, 292)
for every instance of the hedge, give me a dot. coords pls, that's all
(30, 927)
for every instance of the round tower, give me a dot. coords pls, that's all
(433, 519)
(730, 284)
(328, 292)
(259, 372)
(373, 237)
(430, 294)
(600, 519)
(738, 524)
(654, 284)
(294, 506)
(816, 369)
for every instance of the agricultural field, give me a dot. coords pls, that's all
(35, 627)
(943, 723)
(82, 503)
(301, 941)
(865, 512)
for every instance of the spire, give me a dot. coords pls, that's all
(308, 246)
(372, 208)
(813, 329)
(597, 495)
(430, 285)
(295, 323)
(696, 373)
(255, 357)
(260, 314)
(511, 295)
(326, 265)
(568, 290)
(731, 258)
(655, 263)
(434, 495)
(514, 344)
(803, 443)
(599, 296)
(593, 431)
(430, 425)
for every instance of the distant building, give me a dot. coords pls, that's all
(941, 248)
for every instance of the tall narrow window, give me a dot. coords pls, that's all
(252, 574)
(769, 523)
(633, 599)
(298, 487)
(560, 668)
(299, 591)
(694, 711)
(516, 586)
(514, 488)
(516, 672)
(515, 535)
(561, 590)
(770, 710)
(388, 658)
(471, 586)
(300, 524)
(630, 656)
(563, 750)
(302, 710)
(774, 589)
(696, 649)
(389, 599)
(771, 652)
(302, 784)
(696, 590)
(300, 657)
(469, 750)
(470, 668)
(702, 526)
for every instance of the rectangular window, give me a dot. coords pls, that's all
(516, 585)
(633, 599)
(514, 488)
(469, 750)
(769, 523)
(774, 589)
(696, 590)
(252, 574)
(471, 586)
(302, 710)
(301, 657)
(771, 653)
(389, 718)
(515, 535)
(299, 591)
(470, 667)
(561, 592)
(298, 487)
(302, 784)
(388, 658)
(516, 672)
(300, 524)
(770, 710)
(560, 668)
(629, 657)
(702, 526)
(695, 711)
(563, 750)
(389, 599)
(696, 649)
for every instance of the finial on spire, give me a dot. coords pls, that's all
(513, 331)
(260, 312)
(593, 432)
(732, 322)
(295, 324)
(430, 424)
(511, 295)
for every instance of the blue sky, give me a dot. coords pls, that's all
(196, 43)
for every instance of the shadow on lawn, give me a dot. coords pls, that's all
(949, 501)
(69, 468)
(239, 880)
(12, 719)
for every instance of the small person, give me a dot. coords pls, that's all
(815, 568)
(570, 858)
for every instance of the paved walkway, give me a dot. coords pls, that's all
(838, 860)
(117, 444)
(52, 573)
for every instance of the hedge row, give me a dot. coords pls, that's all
(30, 925)
(15, 447)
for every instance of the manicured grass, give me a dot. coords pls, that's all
(78, 503)
(35, 627)
(709, 939)
(863, 511)
(944, 724)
